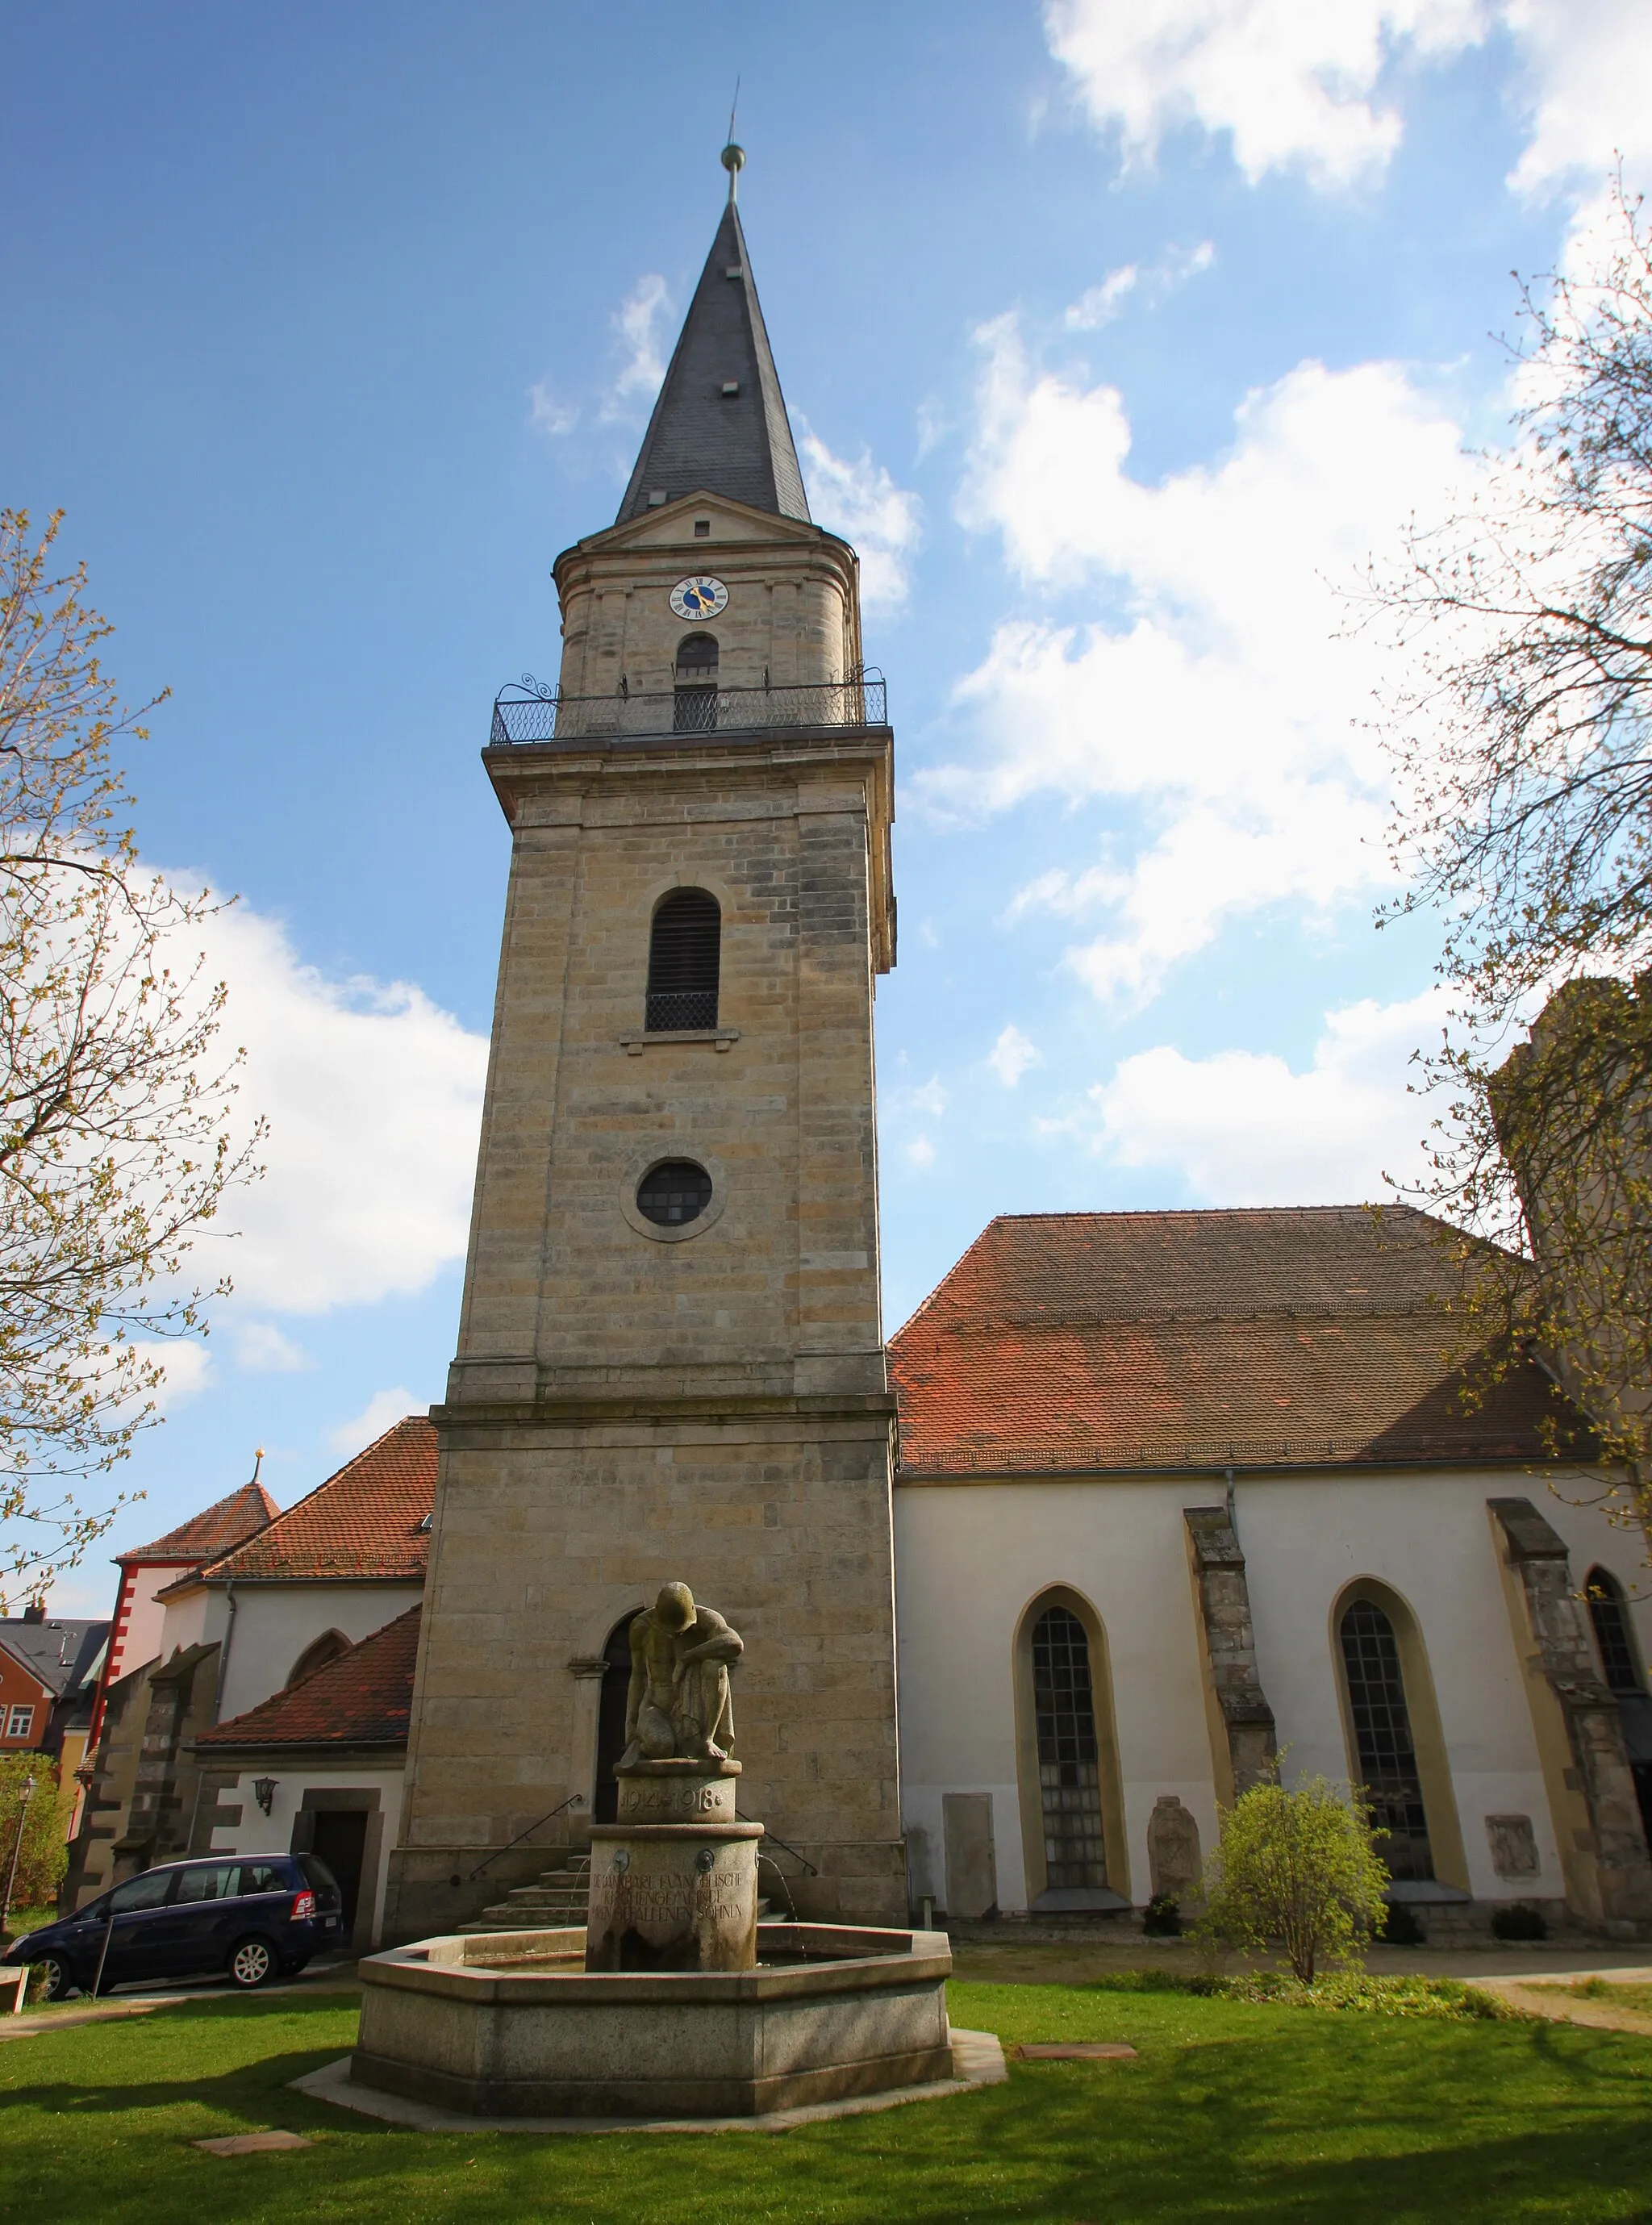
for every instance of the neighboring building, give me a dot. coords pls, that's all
(670, 1359)
(299, 1591)
(1179, 1490)
(318, 1769)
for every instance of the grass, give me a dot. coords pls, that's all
(1236, 2109)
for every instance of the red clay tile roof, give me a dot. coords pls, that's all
(362, 1698)
(1295, 1337)
(227, 1523)
(362, 1522)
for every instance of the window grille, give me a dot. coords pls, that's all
(694, 706)
(1388, 1760)
(673, 1193)
(1069, 1773)
(1612, 1633)
(685, 957)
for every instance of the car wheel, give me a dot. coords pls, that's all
(57, 1979)
(252, 1963)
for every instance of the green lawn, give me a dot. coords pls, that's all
(1234, 2110)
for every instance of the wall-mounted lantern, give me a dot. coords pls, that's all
(263, 1791)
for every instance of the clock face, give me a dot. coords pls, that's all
(699, 599)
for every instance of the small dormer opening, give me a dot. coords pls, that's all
(730, 388)
(695, 678)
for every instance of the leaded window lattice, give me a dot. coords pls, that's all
(684, 962)
(1388, 1757)
(1069, 1773)
(1612, 1635)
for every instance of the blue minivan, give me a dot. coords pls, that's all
(255, 1918)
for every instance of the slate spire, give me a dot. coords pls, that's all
(720, 421)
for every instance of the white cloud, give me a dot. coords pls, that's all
(1586, 80)
(639, 322)
(1220, 710)
(373, 1096)
(858, 498)
(186, 1369)
(1293, 82)
(1243, 1128)
(549, 415)
(1099, 305)
(1012, 1055)
(261, 1349)
(1301, 84)
(382, 1410)
(920, 1152)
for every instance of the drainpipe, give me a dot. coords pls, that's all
(1232, 1505)
(223, 1652)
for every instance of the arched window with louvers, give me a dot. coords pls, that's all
(684, 962)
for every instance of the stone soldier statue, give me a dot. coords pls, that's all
(679, 1705)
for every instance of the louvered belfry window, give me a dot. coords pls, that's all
(695, 710)
(1069, 1771)
(683, 957)
(1388, 1754)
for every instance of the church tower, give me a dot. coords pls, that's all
(670, 1362)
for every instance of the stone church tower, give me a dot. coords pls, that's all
(670, 1359)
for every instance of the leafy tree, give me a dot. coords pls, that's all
(114, 1141)
(44, 1855)
(1522, 738)
(1297, 1866)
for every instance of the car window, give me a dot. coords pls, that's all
(262, 1877)
(211, 1881)
(146, 1891)
(322, 1881)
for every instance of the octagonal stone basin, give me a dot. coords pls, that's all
(506, 2024)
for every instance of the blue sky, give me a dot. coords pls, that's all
(1115, 335)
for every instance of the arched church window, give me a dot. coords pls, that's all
(316, 1655)
(1612, 1633)
(1383, 1741)
(695, 705)
(685, 958)
(1069, 1773)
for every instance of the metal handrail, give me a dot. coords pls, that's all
(779, 1841)
(573, 1800)
(527, 714)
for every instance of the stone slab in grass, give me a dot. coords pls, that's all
(252, 2143)
(1079, 2051)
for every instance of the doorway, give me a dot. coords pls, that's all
(611, 1718)
(341, 1839)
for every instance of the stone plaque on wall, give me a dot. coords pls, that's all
(971, 1865)
(1173, 1855)
(1514, 1847)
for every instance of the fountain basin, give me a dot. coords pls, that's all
(511, 2024)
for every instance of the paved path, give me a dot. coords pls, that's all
(327, 1980)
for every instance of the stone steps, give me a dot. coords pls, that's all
(560, 1898)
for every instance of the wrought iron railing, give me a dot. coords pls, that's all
(529, 712)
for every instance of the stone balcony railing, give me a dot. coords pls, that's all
(535, 716)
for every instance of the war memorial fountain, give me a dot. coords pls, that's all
(672, 2003)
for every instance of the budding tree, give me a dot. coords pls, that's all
(1522, 742)
(116, 1144)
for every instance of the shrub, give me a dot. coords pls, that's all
(1443, 1999)
(1401, 1927)
(1297, 1866)
(1519, 1921)
(1161, 1917)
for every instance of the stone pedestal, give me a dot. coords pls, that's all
(674, 1881)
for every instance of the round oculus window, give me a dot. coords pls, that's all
(673, 1193)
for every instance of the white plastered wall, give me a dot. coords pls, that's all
(276, 1622)
(969, 1557)
(258, 1833)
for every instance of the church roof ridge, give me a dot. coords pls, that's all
(720, 423)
